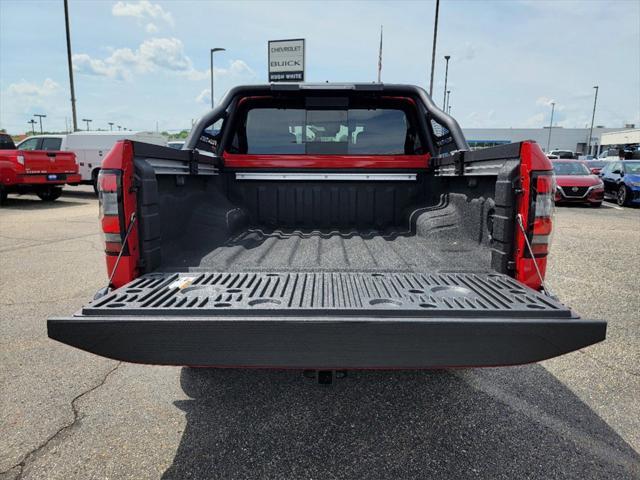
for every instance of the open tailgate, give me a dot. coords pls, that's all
(327, 320)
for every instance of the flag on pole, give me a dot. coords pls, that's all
(380, 57)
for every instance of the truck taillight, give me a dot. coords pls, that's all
(110, 203)
(541, 213)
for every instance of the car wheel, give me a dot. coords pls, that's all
(621, 198)
(50, 194)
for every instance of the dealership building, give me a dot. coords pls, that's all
(574, 139)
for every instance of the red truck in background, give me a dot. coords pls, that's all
(35, 170)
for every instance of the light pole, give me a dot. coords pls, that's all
(110, 126)
(446, 74)
(553, 106)
(214, 50)
(433, 52)
(593, 116)
(70, 64)
(40, 116)
(88, 121)
(449, 110)
(446, 105)
(33, 123)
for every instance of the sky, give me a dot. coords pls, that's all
(142, 64)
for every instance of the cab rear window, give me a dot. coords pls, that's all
(348, 131)
(51, 143)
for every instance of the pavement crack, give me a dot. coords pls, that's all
(31, 455)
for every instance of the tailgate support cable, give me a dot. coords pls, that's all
(124, 244)
(103, 291)
(535, 264)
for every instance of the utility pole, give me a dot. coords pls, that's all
(214, 50)
(88, 121)
(40, 116)
(446, 75)
(553, 106)
(380, 58)
(433, 53)
(110, 126)
(593, 116)
(70, 63)
(32, 122)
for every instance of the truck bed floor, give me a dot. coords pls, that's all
(295, 250)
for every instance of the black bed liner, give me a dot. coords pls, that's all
(328, 293)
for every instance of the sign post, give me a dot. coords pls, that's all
(286, 60)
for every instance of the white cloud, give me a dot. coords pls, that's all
(204, 97)
(83, 63)
(28, 89)
(152, 55)
(151, 28)
(155, 54)
(545, 101)
(143, 11)
(236, 68)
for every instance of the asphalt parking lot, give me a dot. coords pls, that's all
(68, 414)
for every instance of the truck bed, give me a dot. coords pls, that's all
(258, 249)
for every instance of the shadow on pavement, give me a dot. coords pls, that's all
(73, 192)
(69, 198)
(517, 422)
(34, 203)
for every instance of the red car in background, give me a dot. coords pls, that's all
(35, 168)
(576, 184)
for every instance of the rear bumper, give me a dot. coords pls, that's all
(44, 179)
(326, 343)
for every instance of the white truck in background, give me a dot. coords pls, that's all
(91, 147)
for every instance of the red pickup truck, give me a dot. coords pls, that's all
(34, 169)
(326, 227)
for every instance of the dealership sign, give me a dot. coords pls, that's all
(286, 60)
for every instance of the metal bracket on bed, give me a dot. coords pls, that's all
(300, 176)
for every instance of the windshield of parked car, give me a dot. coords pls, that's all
(570, 168)
(632, 168)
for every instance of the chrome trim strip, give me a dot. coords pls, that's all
(376, 177)
(573, 197)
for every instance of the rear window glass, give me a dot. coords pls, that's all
(632, 167)
(51, 143)
(6, 142)
(354, 131)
